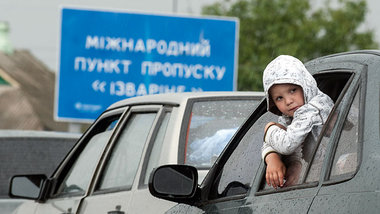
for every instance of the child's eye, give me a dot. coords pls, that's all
(278, 98)
(293, 90)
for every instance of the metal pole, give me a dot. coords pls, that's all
(175, 6)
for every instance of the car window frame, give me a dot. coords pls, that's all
(341, 104)
(360, 88)
(345, 98)
(346, 176)
(60, 174)
(117, 133)
(211, 179)
(150, 144)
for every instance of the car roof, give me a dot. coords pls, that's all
(177, 98)
(360, 55)
(37, 134)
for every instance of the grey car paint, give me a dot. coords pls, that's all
(332, 183)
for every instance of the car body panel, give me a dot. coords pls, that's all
(342, 173)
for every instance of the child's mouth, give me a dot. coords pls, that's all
(294, 109)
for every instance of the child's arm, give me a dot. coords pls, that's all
(275, 170)
(287, 141)
(267, 148)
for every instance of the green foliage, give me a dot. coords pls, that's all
(269, 28)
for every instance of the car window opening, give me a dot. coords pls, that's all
(313, 152)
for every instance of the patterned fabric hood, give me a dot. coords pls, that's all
(288, 69)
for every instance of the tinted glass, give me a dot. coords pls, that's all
(319, 156)
(240, 168)
(346, 155)
(212, 124)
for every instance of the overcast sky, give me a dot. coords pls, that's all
(35, 23)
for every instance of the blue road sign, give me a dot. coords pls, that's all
(106, 56)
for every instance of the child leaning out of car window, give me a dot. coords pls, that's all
(292, 93)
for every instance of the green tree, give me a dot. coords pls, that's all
(269, 28)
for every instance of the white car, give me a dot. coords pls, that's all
(108, 169)
(25, 152)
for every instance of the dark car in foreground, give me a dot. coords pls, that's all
(108, 169)
(341, 171)
(26, 152)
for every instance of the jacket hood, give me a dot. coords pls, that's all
(288, 69)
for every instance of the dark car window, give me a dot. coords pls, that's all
(239, 170)
(347, 144)
(313, 171)
(211, 125)
(346, 157)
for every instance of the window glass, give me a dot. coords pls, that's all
(315, 168)
(212, 124)
(318, 154)
(243, 163)
(348, 136)
(157, 145)
(81, 172)
(346, 155)
(122, 166)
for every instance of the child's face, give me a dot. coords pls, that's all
(287, 97)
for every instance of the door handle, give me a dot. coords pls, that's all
(117, 211)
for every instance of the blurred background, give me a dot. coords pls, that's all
(29, 42)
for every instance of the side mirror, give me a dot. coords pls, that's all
(178, 183)
(26, 186)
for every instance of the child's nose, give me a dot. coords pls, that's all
(289, 101)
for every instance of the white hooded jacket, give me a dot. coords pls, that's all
(309, 118)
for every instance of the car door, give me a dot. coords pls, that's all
(350, 182)
(118, 174)
(238, 184)
(237, 187)
(340, 169)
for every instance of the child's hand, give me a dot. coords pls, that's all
(275, 170)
